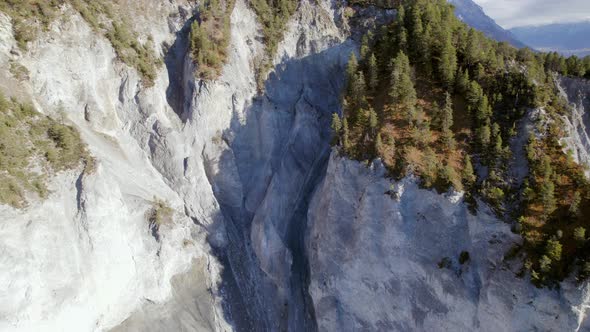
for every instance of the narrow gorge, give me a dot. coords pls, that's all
(266, 225)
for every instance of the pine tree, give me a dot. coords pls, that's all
(447, 113)
(373, 120)
(346, 137)
(351, 68)
(392, 145)
(430, 170)
(378, 144)
(364, 47)
(483, 111)
(467, 172)
(437, 116)
(402, 90)
(480, 72)
(498, 145)
(474, 95)
(357, 93)
(547, 190)
(553, 249)
(336, 127)
(372, 72)
(574, 208)
(448, 62)
(483, 136)
(401, 40)
(472, 52)
(417, 32)
(425, 56)
(447, 123)
(580, 235)
(545, 264)
(462, 81)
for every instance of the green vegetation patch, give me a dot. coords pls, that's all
(32, 146)
(101, 16)
(160, 213)
(29, 17)
(273, 15)
(210, 36)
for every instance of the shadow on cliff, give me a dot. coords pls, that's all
(276, 154)
(175, 60)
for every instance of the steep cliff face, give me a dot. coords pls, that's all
(230, 164)
(387, 256)
(577, 123)
(87, 257)
(270, 230)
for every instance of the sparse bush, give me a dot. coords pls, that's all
(273, 15)
(580, 235)
(210, 36)
(445, 263)
(464, 257)
(28, 138)
(160, 213)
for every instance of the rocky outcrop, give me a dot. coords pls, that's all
(577, 124)
(386, 256)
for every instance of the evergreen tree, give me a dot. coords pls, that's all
(425, 56)
(392, 145)
(483, 136)
(480, 72)
(378, 144)
(373, 120)
(357, 92)
(351, 68)
(364, 52)
(401, 40)
(372, 72)
(548, 197)
(447, 122)
(417, 32)
(483, 111)
(437, 116)
(346, 137)
(580, 235)
(462, 81)
(574, 208)
(553, 250)
(545, 264)
(472, 51)
(336, 127)
(468, 173)
(402, 90)
(448, 62)
(447, 113)
(498, 145)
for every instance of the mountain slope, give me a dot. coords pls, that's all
(565, 38)
(472, 14)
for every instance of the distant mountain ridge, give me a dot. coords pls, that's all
(566, 38)
(472, 14)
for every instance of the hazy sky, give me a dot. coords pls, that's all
(512, 13)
